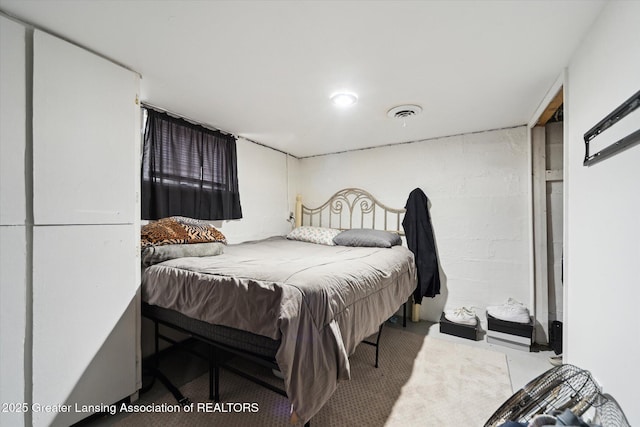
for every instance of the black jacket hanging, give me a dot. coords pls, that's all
(419, 233)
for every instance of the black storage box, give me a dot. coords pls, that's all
(510, 334)
(555, 336)
(469, 332)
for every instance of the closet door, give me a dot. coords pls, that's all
(13, 286)
(84, 128)
(13, 215)
(86, 265)
(13, 122)
(81, 296)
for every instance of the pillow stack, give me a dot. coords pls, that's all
(178, 237)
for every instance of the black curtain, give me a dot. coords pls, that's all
(188, 170)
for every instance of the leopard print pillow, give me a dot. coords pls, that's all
(179, 230)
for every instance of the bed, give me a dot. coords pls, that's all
(296, 306)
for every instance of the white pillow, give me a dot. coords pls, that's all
(319, 235)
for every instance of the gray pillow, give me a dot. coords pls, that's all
(367, 237)
(155, 254)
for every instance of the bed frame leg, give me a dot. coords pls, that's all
(404, 315)
(216, 396)
(378, 343)
(156, 342)
(214, 377)
(212, 365)
(175, 391)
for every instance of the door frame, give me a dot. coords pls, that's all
(538, 261)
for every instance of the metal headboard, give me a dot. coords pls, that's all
(351, 208)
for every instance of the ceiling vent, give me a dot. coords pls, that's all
(404, 111)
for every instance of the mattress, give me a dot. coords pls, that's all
(319, 302)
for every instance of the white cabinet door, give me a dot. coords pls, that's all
(12, 123)
(83, 288)
(85, 136)
(13, 285)
(13, 232)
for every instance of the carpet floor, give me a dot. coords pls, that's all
(421, 381)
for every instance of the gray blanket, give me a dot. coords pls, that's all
(319, 301)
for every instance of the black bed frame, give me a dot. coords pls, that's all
(216, 361)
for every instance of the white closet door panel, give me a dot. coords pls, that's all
(13, 291)
(111, 376)
(85, 140)
(12, 122)
(83, 282)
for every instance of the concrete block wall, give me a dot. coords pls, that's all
(479, 188)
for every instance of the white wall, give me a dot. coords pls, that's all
(602, 251)
(13, 220)
(478, 185)
(262, 178)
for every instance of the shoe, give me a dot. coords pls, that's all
(556, 360)
(462, 315)
(511, 311)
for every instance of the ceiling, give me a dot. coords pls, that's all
(265, 70)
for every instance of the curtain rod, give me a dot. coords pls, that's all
(180, 116)
(207, 126)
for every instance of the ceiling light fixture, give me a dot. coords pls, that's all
(344, 99)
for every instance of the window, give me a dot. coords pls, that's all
(188, 170)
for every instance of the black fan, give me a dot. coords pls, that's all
(560, 388)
